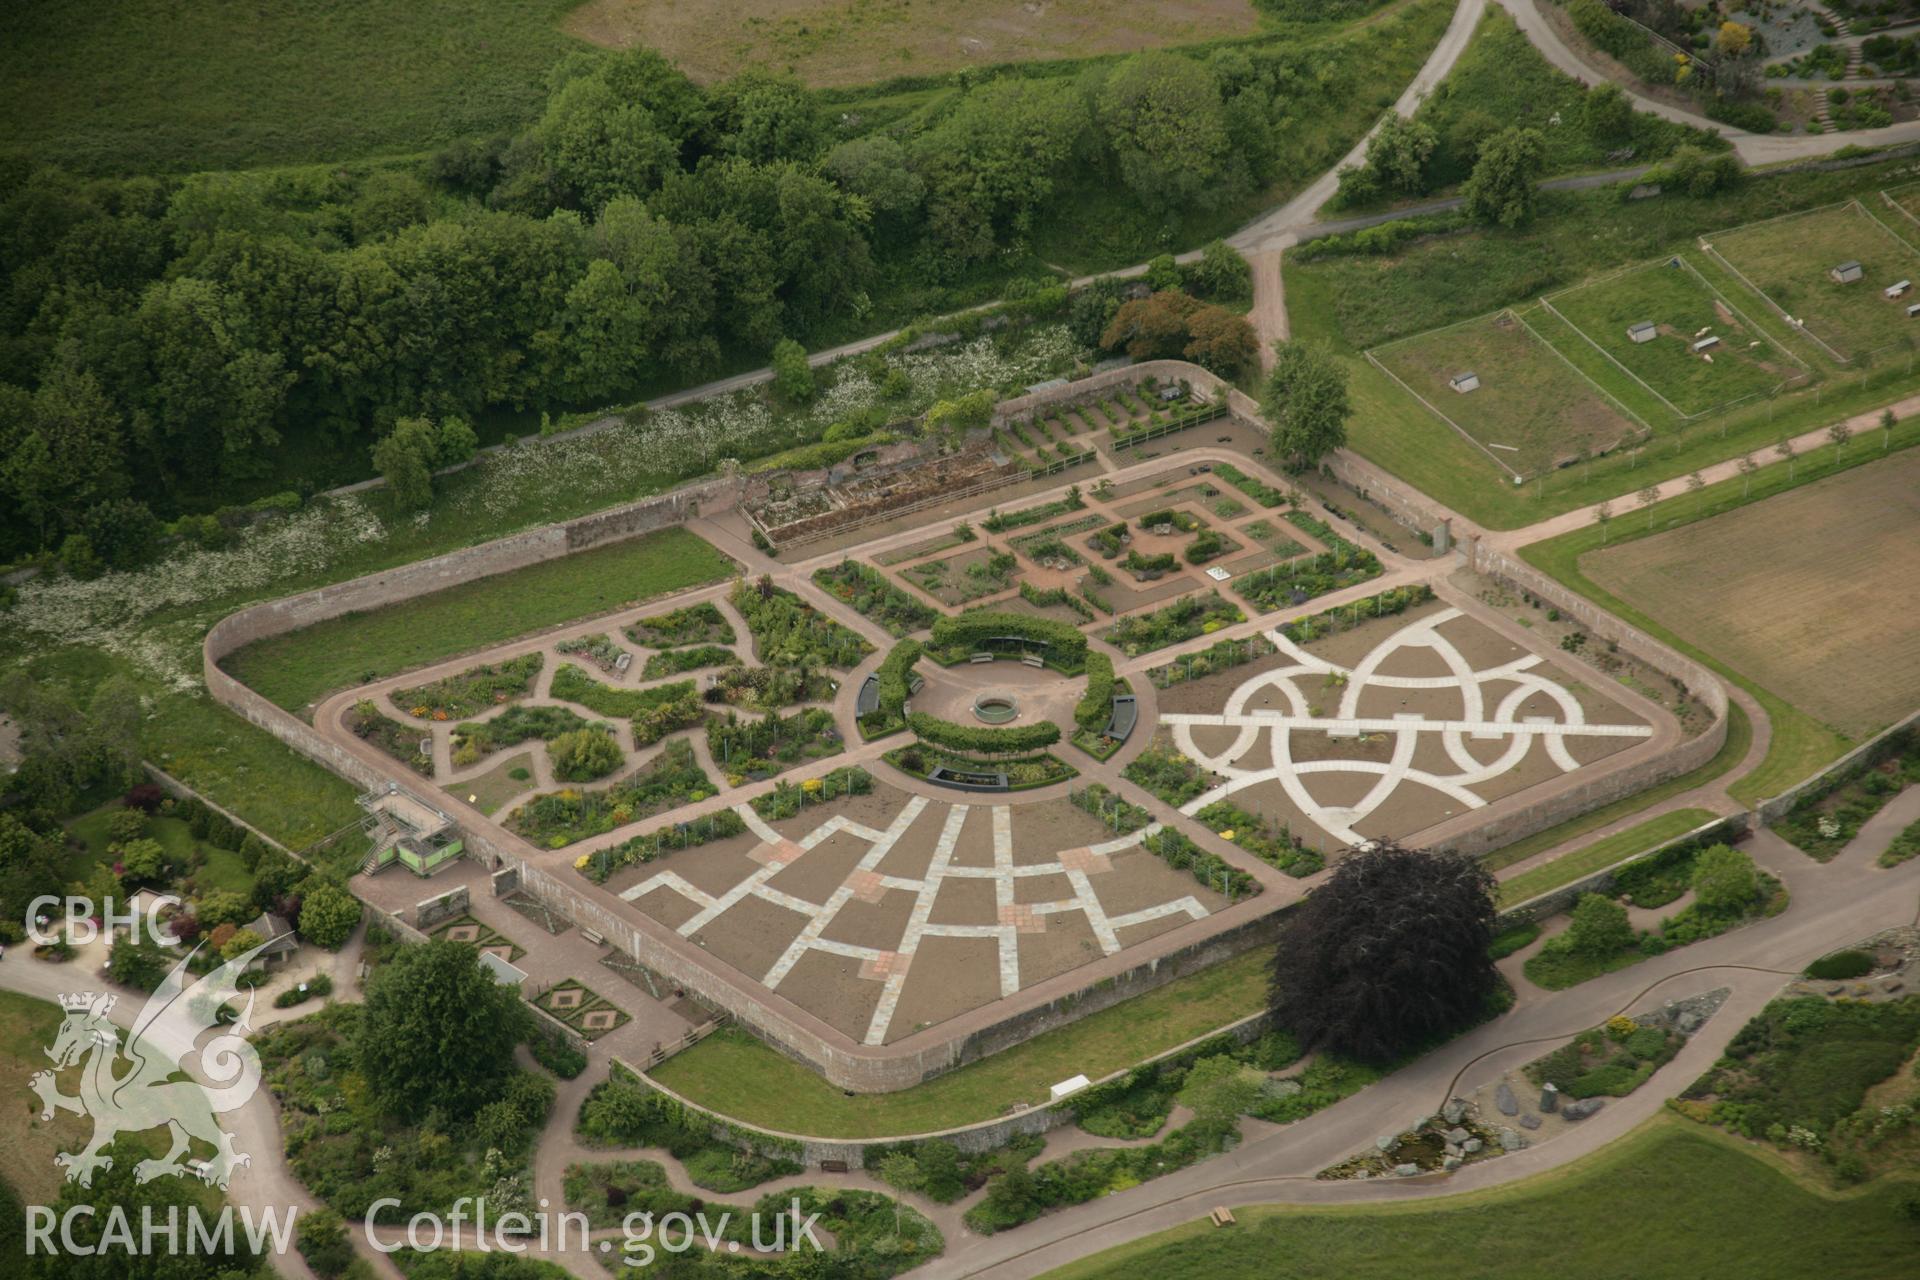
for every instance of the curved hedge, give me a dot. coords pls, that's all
(892, 675)
(1066, 646)
(1095, 710)
(979, 738)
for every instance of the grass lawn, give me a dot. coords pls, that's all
(739, 1077)
(1531, 410)
(1788, 260)
(1660, 1204)
(299, 668)
(1682, 307)
(152, 86)
(1601, 853)
(1800, 745)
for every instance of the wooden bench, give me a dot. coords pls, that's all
(1032, 661)
(591, 936)
(1221, 1216)
(981, 657)
(833, 1166)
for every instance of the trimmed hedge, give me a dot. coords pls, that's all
(1095, 709)
(981, 739)
(1066, 646)
(892, 675)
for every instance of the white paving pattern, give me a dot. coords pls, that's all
(1476, 721)
(890, 967)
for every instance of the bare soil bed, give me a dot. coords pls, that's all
(1808, 593)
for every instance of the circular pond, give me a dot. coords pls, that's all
(995, 708)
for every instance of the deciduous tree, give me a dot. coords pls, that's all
(1501, 189)
(1388, 954)
(438, 1031)
(1306, 402)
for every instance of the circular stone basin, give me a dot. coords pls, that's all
(995, 708)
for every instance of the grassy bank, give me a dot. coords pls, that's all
(1739, 740)
(1601, 853)
(736, 1075)
(1660, 1197)
(297, 669)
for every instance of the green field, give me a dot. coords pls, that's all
(299, 668)
(1673, 297)
(1531, 410)
(1601, 853)
(738, 1076)
(1671, 1201)
(1787, 259)
(157, 86)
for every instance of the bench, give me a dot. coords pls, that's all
(624, 661)
(1126, 713)
(1221, 1216)
(591, 936)
(868, 700)
(833, 1166)
(981, 657)
(1031, 661)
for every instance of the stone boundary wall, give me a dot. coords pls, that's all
(1856, 761)
(971, 1139)
(453, 903)
(1554, 901)
(393, 924)
(1406, 505)
(874, 1070)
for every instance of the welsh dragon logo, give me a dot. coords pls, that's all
(159, 1045)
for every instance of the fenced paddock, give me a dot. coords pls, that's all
(1532, 410)
(1745, 364)
(1786, 260)
(1905, 203)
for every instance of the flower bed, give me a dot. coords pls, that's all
(1108, 542)
(655, 712)
(402, 742)
(984, 577)
(1000, 522)
(770, 688)
(1273, 843)
(869, 592)
(1170, 521)
(1342, 565)
(1168, 774)
(789, 632)
(1150, 568)
(1220, 657)
(1259, 490)
(788, 799)
(756, 749)
(695, 624)
(1210, 545)
(1385, 604)
(1055, 598)
(599, 650)
(721, 825)
(556, 819)
(1210, 869)
(1823, 821)
(1607, 1061)
(459, 696)
(672, 662)
(510, 728)
(1023, 773)
(1121, 817)
(1184, 619)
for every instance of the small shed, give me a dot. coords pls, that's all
(1845, 273)
(277, 933)
(1707, 343)
(1913, 309)
(1897, 288)
(1464, 382)
(1645, 331)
